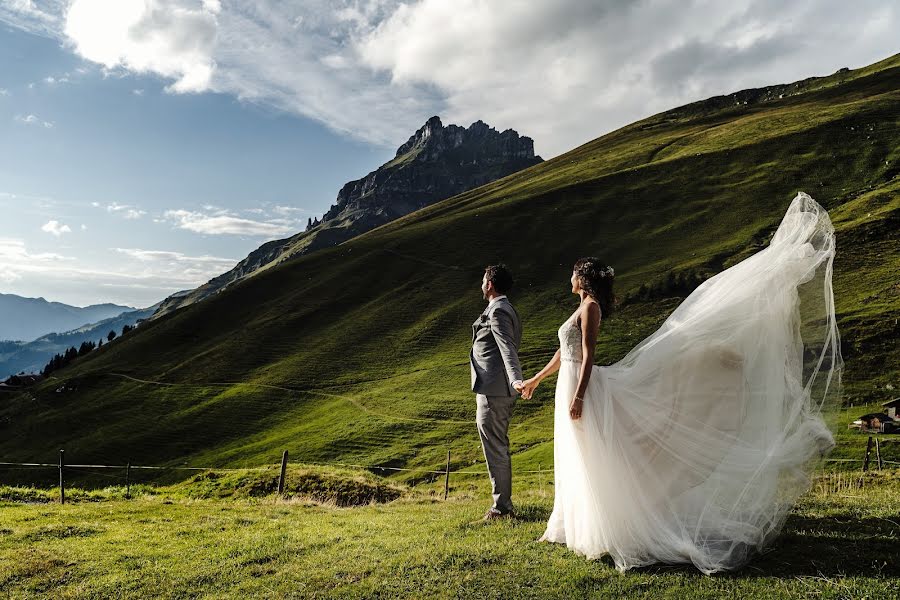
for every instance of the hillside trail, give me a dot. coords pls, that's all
(349, 399)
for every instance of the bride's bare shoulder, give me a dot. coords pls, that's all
(588, 312)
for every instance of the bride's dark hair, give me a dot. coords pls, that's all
(596, 278)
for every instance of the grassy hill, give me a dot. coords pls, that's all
(358, 353)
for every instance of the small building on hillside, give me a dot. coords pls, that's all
(874, 422)
(892, 407)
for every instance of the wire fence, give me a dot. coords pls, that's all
(89, 469)
(872, 443)
(373, 468)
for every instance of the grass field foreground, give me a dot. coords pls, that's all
(841, 541)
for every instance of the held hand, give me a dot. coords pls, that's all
(575, 408)
(528, 388)
(519, 387)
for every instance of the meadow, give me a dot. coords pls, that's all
(194, 539)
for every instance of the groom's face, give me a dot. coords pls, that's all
(485, 287)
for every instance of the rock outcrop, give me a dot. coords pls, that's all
(435, 163)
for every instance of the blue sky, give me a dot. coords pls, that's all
(118, 153)
(148, 145)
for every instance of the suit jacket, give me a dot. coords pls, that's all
(494, 358)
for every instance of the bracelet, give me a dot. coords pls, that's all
(579, 398)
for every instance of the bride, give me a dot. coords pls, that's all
(694, 446)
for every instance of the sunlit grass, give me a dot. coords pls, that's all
(839, 542)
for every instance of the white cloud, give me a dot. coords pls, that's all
(287, 210)
(33, 120)
(165, 37)
(125, 210)
(56, 228)
(138, 92)
(564, 72)
(561, 72)
(213, 6)
(169, 262)
(291, 56)
(25, 15)
(144, 277)
(7, 275)
(4, 92)
(224, 223)
(51, 80)
(15, 259)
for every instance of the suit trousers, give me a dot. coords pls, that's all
(492, 418)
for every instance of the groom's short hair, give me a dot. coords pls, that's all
(500, 276)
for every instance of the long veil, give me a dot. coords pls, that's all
(708, 430)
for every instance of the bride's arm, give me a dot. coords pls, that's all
(550, 368)
(590, 326)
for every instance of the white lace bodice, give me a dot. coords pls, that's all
(570, 340)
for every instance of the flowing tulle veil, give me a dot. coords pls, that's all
(704, 435)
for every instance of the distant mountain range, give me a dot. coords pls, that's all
(435, 163)
(30, 357)
(27, 319)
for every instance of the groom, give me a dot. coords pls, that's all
(496, 381)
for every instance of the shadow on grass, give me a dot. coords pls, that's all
(532, 513)
(835, 546)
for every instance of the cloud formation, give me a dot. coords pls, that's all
(13, 254)
(127, 211)
(224, 222)
(562, 72)
(33, 120)
(170, 39)
(55, 228)
(142, 277)
(170, 263)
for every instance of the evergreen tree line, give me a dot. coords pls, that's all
(60, 360)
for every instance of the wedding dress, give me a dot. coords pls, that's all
(694, 447)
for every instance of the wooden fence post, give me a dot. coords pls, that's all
(284, 459)
(447, 479)
(878, 453)
(868, 452)
(62, 486)
(128, 480)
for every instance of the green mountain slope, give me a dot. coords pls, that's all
(358, 353)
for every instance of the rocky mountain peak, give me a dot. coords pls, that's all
(433, 140)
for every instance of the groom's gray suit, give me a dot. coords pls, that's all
(494, 361)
